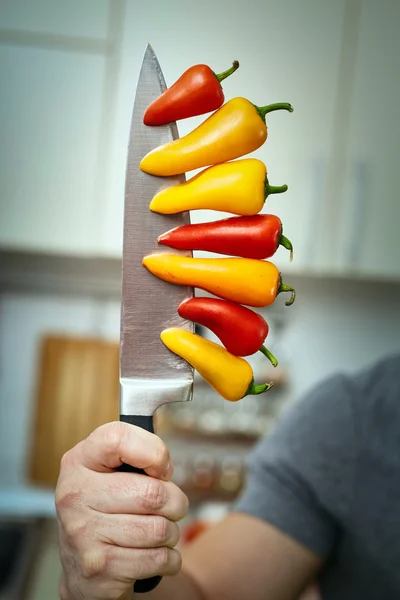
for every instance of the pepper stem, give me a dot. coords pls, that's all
(273, 189)
(254, 390)
(286, 243)
(225, 74)
(263, 110)
(269, 355)
(286, 288)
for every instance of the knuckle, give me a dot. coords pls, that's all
(110, 434)
(160, 530)
(140, 533)
(93, 563)
(154, 496)
(75, 529)
(67, 497)
(161, 558)
(70, 458)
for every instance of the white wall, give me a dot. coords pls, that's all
(339, 326)
(334, 325)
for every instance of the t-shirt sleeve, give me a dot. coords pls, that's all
(301, 476)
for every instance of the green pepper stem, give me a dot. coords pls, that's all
(273, 189)
(286, 288)
(254, 390)
(286, 243)
(269, 355)
(225, 74)
(263, 110)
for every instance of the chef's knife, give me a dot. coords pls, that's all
(150, 375)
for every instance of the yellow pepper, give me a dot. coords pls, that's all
(243, 280)
(239, 187)
(235, 129)
(230, 376)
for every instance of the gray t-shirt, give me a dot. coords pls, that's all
(329, 476)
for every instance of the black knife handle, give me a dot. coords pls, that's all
(141, 586)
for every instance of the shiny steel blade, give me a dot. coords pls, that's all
(150, 374)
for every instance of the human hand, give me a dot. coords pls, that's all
(116, 527)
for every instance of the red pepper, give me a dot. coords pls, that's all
(257, 236)
(196, 92)
(241, 330)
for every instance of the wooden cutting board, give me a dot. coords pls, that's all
(77, 391)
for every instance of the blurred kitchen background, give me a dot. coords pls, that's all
(68, 72)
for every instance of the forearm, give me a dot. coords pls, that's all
(238, 558)
(180, 586)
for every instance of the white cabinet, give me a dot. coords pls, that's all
(24, 19)
(54, 60)
(370, 207)
(50, 126)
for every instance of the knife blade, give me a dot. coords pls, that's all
(150, 375)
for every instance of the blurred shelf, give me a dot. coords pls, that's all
(101, 276)
(59, 274)
(200, 497)
(188, 436)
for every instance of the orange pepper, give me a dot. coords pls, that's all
(243, 280)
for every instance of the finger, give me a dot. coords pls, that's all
(115, 443)
(137, 531)
(115, 562)
(131, 493)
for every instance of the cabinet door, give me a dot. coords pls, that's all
(370, 218)
(288, 52)
(52, 64)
